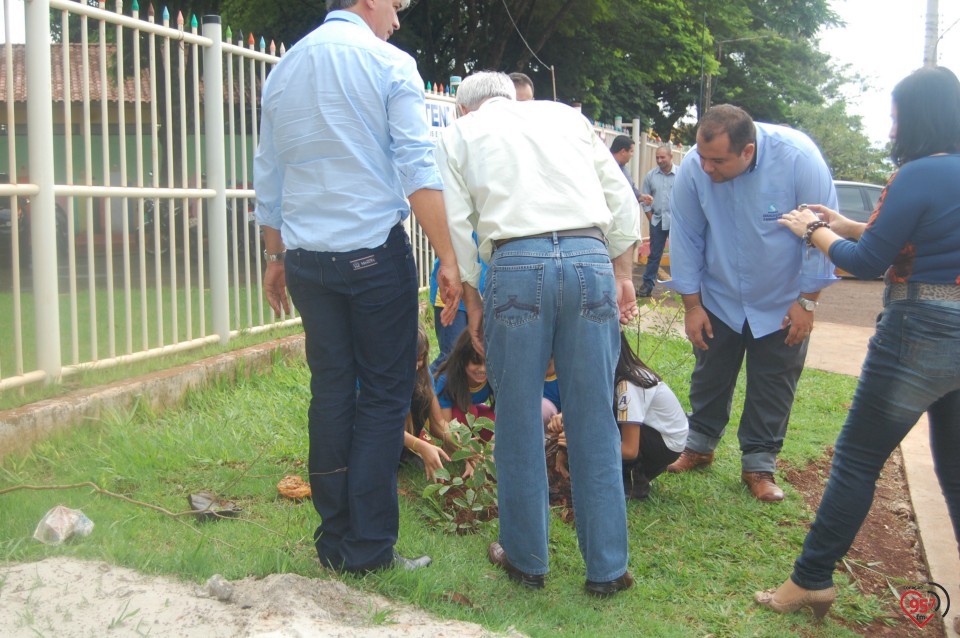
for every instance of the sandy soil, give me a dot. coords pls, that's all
(69, 598)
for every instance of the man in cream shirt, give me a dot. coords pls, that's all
(551, 208)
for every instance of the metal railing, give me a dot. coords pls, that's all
(129, 227)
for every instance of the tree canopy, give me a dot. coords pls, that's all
(658, 60)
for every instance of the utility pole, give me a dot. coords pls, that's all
(930, 34)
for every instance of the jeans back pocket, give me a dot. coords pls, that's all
(598, 292)
(517, 293)
(929, 346)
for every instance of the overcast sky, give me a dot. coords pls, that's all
(883, 40)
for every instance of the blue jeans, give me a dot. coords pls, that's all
(773, 369)
(359, 312)
(556, 296)
(912, 367)
(446, 335)
(658, 240)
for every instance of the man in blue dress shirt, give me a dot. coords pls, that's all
(747, 289)
(343, 142)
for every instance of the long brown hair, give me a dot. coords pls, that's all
(423, 390)
(631, 368)
(454, 368)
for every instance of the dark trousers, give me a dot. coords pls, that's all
(654, 456)
(773, 369)
(359, 312)
(658, 241)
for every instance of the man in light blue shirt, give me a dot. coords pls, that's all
(344, 143)
(655, 197)
(746, 286)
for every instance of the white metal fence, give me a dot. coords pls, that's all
(128, 230)
(126, 196)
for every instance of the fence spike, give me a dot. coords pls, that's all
(250, 40)
(273, 47)
(263, 44)
(228, 35)
(135, 7)
(193, 21)
(119, 8)
(429, 88)
(283, 49)
(151, 11)
(180, 19)
(166, 14)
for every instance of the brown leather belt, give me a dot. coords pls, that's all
(917, 291)
(591, 233)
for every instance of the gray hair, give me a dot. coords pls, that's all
(668, 146)
(484, 85)
(333, 5)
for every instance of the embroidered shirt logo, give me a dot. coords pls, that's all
(772, 214)
(364, 262)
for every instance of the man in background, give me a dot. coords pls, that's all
(622, 149)
(523, 85)
(343, 142)
(655, 197)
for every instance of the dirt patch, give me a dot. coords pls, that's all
(886, 552)
(67, 597)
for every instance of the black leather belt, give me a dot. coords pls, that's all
(591, 233)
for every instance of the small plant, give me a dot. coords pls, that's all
(460, 505)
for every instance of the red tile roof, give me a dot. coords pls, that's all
(76, 74)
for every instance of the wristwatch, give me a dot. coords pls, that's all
(807, 304)
(269, 258)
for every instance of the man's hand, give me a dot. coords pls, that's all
(275, 287)
(800, 322)
(646, 199)
(696, 324)
(450, 291)
(627, 300)
(474, 305)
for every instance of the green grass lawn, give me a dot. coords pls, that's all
(699, 547)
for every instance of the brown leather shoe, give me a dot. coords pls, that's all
(690, 460)
(762, 486)
(498, 557)
(610, 587)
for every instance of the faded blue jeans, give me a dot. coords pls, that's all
(912, 367)
(556, 296)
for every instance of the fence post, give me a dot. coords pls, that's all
(216, 175)
(43, 220)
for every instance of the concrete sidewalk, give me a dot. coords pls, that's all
(841, 349)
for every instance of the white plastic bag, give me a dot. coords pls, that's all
(60, 523)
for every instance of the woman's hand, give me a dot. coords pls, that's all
(839, 224)
(555, 425)
(797, 219)
(433, 458)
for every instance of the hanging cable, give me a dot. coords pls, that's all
(553, 76)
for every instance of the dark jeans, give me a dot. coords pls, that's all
(912, 367)
(773, 369)
(446, 335)
(359, 312)
(658, 240)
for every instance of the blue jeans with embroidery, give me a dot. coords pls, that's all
(912, 367)
(556, 296)
(359, 312)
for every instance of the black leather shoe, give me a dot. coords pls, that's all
(610, 587)
(409, 564)
(498, 557)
